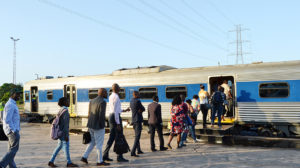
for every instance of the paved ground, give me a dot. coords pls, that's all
(37, 147)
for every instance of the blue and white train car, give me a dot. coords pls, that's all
(263, 93)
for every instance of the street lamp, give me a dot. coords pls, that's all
(14, 60)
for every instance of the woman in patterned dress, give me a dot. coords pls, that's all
(177, 124)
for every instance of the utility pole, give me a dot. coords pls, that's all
(14, 60)
(239, 44)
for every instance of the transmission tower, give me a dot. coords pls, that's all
(239, 44)
(14, 60)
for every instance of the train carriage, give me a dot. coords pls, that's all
(263, 93)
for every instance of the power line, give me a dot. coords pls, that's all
(186, 17)
(220, 12)
(120, 30)
(203, 17)
(180, 24)
(157, 19)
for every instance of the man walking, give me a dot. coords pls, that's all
(11, 127)
(155, 123)
(115, 122)
(137, 118)
(96, 124)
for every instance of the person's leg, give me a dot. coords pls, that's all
(178, 140)
(152, 134)
(137, 131)
(220, 111)
(91, 145)
(160, 136)
(214, 109)
(140, 133)
(170, 140)
(204, 115)
(66, 146)
(99, 138)
(112, 136)
(192, 130)
(13, 147)
(55, 152)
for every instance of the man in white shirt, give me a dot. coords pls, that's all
(11, 127)
(115, 122)
(226, 88)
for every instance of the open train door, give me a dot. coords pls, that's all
(34, 99)
(70, 93)
(214, 82)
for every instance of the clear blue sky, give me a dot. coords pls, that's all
(74, 37)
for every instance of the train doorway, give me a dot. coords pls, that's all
(34, 99)
(70, 93)
(228, 83)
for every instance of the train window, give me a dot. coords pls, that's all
(26, 96)
(274, 90)
(93, 93)
(147, 93)
(173, 91)
(121, 93)
(49, 94)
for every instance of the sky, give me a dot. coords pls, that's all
(91, 37)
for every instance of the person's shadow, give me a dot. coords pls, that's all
(245, 97)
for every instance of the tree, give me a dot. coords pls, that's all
(5, 92)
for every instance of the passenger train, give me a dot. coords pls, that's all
(263, 93)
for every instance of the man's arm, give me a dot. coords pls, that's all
(7, 117)
(158, 114)
(140, 106)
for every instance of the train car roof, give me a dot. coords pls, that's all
(158, 75)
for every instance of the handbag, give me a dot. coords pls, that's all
(121, 145)
(3, 137)
(86, 138)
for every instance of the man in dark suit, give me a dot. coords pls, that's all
(137, 118)
(96, 124)
(155, 122)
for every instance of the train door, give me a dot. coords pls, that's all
(216, 81)
(70, 93)
(34, 99)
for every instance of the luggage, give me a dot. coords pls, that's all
(86, 138)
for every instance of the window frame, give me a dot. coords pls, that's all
(259, 88)
(148, 88)
(48, 93)
(174, 87)
(110, 92)
(93, 93)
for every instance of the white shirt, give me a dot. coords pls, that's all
(203, 97)
(11, 117)
(226, 89)
(115, 106)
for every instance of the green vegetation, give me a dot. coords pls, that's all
(5, 92)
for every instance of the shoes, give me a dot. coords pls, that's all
(183, 145)
(84, 160)
(179, 146)
(134, 155)
(163, 149)
(103, 164)
(51, 164)
(107, 159)
(197, 140)
(140, 152)
(122, 160)
(153, 150)
(72, 165)
(169, 146)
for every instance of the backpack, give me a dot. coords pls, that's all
(217, 98)
(56, 133)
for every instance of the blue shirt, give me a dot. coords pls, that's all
(11, 117)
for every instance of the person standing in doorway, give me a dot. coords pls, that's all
(137, 110)
(155, 123)
(115, 122)
(11, 127)
(217, 102)
(96, 124)
(204, 105)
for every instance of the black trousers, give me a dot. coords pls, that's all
(204, 113)
(137, 130)
(158, 128)
(112, 135)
